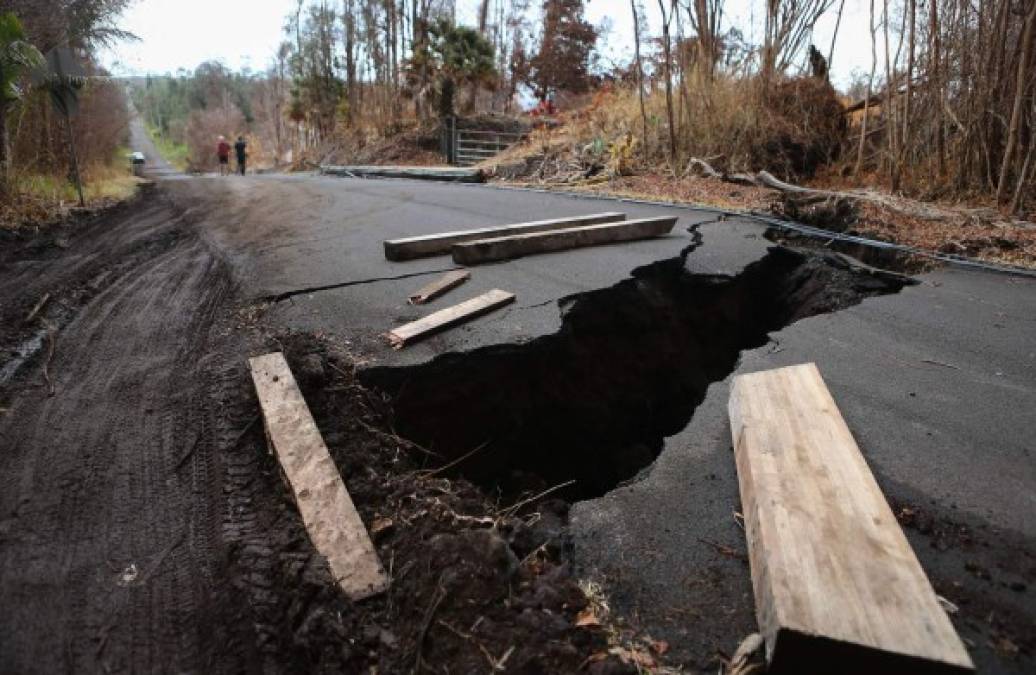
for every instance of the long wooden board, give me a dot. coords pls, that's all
(438, 173)
(443, 284)
(837, 587)
(327, 511)
(451, 316)
(518, 245)
(440, 243)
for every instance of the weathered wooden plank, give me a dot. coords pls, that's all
(327, 511)
(451, 316)
(409, 248)
(837, 586)
(446, 282)
(515, 246)
(445, 173)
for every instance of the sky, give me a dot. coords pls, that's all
(177, 34)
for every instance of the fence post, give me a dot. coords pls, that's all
(453, 145)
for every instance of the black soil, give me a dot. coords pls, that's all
(144, 526)
(473, 581)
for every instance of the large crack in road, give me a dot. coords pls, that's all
(594, 402)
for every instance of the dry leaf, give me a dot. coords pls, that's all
(587, 618)
(634, 656)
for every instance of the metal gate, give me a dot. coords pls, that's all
(465, 147)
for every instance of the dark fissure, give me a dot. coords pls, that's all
(593, 402)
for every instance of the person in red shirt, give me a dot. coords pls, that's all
(223, 152)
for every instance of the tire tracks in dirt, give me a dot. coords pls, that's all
(111, 556)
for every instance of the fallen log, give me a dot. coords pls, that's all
(449, 317)
(327, 511)
(768, 180)
(516, 246)
(703, 166)
(439, 243)
(449, 174)
(837, 586)
(442, 285)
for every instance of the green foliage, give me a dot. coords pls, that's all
(173, 151)
(456, 56)
(462, 54)
(16, 57)
(166, 102)
(316, 87)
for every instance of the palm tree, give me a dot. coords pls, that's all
(16, 57)
(463, 57)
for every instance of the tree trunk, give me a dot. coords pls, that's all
(1016, 202)
(640, 71)
(1016, 110)
(936, 84)
(890, 103)
(867, 99)
(350, 58)
(5, 146)
(74, 159)
(834, 37)
(483, 17)
(909, 83)
(667, 53)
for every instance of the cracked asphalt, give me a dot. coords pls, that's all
(938, 383)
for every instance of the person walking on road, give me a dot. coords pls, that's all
(223, 153)
(240, 148)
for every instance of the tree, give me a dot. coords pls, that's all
(667, 71)
(563, 62)
(16, 57)
(1022, 83)
(706, 18)
(458, 56)
(867, 99)
(787, 30)
(640, 68)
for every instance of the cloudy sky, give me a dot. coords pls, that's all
(245, 33)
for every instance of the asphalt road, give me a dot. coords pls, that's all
(937, 382)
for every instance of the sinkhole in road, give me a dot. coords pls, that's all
(593, 402)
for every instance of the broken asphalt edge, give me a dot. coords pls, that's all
(799, 228)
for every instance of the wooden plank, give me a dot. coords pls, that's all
(327, 511)
(409, 248)
(515, 246)
(451, 316)
(445, 173)
(443, 284)
(837, 586)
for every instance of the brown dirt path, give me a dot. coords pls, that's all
(109, 508)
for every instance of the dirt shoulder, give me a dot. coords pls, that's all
(146, 527)
(953, 229)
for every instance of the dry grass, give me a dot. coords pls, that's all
(408, 143)
(961, 232)
(30, 200)
(798, 125)
(790, 129)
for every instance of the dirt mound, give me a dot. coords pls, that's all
(476, 587)
(490, 122)
(414, 145)
(805, 128)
